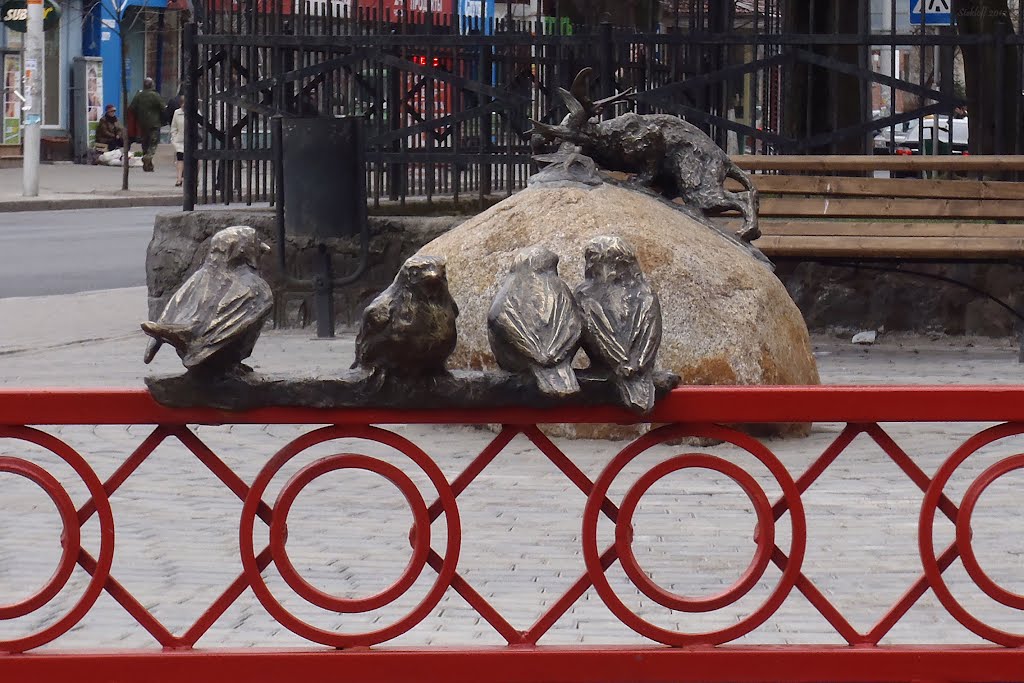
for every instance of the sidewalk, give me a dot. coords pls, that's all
(177, 539)
(80, 186)
(93, 339)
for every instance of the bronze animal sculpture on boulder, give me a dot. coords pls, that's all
(663, 150)
(215, 318)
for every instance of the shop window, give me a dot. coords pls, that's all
(10, 39)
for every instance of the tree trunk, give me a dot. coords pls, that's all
(124, 103)
(991, 76)
(820, 100)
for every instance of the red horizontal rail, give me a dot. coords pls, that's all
(689, 404)
(692, 656)
(530, 664)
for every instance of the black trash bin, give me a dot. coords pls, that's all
(321, 178)
(324, 163)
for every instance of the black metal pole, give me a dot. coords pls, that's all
(486, 73)
(278, 152)
(191, 119)
(1000, 95)
(323, 292)
(607, 59)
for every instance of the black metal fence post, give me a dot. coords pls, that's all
(486, 132)
(607, 58)
(396, 170)
(190, 175)
(1000, 95)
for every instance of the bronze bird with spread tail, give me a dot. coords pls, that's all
(409, 329)
(215, 318)
(621, 320)
(534, 324)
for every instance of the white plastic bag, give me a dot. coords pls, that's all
(114, 157)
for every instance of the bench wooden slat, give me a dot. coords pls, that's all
(890, 247)
(884, 187)
(879, 162)
(887, 207)
(889, 229)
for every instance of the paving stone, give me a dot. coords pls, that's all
(177, 525)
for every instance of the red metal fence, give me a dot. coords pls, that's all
(665, 654)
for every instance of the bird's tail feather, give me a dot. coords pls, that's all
(557, 381)
(151, 349)
(177, 336)
(637, 393)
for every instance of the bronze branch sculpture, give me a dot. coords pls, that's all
(536, 326)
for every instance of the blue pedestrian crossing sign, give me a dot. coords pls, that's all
(931, 12)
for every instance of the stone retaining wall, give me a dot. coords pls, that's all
(180, 241)
(846, 300)
(831, 298)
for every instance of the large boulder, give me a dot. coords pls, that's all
(727, 318)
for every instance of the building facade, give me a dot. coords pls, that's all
(151, 30)
(61, 44)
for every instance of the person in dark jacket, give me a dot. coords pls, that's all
(109, 130)
(148, 107)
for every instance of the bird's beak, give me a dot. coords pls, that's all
(433, 274)
(264, 248)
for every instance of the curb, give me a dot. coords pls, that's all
(59, 204)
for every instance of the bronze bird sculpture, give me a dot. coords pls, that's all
(534, 324)
(621, 320)
(409, 329)
(215, 318)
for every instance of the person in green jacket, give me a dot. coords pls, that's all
(149, 109)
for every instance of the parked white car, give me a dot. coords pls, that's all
(951, 133)
(906, 137)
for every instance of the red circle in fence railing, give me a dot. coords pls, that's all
(71, 537)
(420, 533)
(765, 534)
(445, 573)
(926, 543)
(592, 554)
(106, 524)
(963, 533)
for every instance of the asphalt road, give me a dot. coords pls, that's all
(64, 252)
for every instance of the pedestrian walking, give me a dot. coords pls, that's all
(178, 139)
(149, 109)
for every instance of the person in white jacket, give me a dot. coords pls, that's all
(178, 139)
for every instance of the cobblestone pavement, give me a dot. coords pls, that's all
(177, 539)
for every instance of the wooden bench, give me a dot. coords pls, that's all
(868, 218)
(881, 223)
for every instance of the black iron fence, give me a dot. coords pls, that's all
(448, 99)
